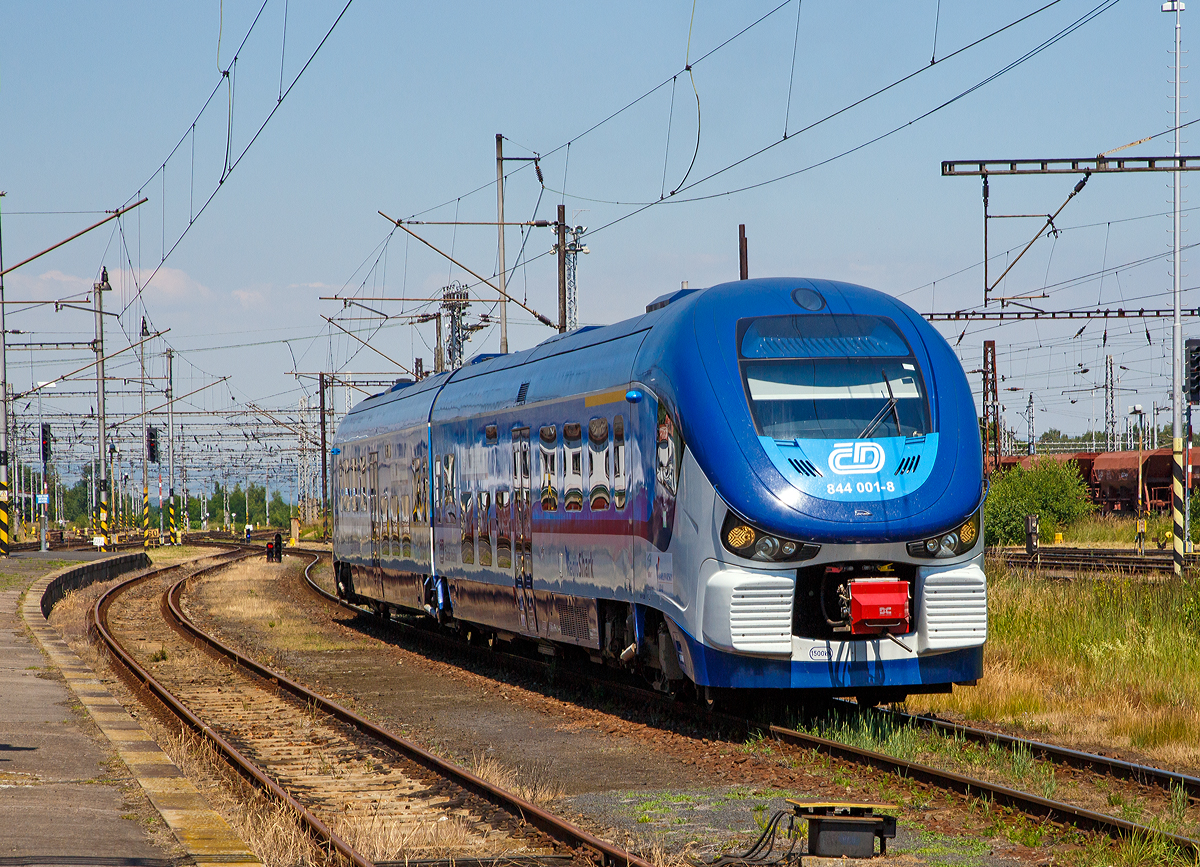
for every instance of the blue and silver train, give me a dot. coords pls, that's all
(771, 483)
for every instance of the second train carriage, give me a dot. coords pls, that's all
(765, 484)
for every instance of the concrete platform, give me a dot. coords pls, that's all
(59, 555)
(67, 792)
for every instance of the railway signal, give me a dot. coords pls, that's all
(45, 442)
(152, 445)
(1192, 357)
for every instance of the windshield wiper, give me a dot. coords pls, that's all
(889, 406)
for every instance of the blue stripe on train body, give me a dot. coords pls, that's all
(856, 496)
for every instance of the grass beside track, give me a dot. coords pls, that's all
(1116, 531)
(1099, 660)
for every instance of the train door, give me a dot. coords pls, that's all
(523, 531)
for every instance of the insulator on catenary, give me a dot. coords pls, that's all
(537, 167)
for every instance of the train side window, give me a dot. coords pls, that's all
(573, 467)
(386, 535)
(406, 522)
(503, 529)
(599, 493)
(437, 488)
(451, 488)
(548, 451)
(620, 484)
(484, 528)
(467, 524)
(491, 434)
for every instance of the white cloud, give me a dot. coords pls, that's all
(250, 298)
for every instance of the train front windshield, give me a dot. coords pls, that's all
(831, 377)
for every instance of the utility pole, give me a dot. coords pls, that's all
(743, 254)
(991, 410)
(171, 443)
(500, 231)
(145, 332)
(1110, 406)
(185, 518)
(102, 448)
(1187, 488)
(574, 248)
(561, 227)
(1032, 434)
(455, 301)
(324, 466)
(43, 499)
(439, 354)
(1178, 536)
(4, 510)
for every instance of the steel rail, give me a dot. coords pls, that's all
(232, 755)
(1095, 559)
(1026, 802)
(553, 826)
(1119, 768)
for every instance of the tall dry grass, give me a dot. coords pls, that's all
(1109, 660)
(535, 783)
(269, 827)
(379, 837)
(235, 596)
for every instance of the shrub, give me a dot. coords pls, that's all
(1053, 490)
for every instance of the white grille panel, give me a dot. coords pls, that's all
(953, 608)
(760, 616)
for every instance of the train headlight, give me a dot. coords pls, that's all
(766, 548)
(745, 540)
(957, 541)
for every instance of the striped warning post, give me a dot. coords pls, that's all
(145, 517)
(4, 542)
(104, 523)
(174, 537)
(1177, 501)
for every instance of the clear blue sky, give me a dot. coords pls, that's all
(398, 112)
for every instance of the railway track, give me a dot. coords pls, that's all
(1142, 778)
(1120, 560)
(358, 789)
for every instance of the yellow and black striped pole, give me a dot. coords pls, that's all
(1177, 502)
(4, 542)
(174, 538)
(145, 517)
(104, 523)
